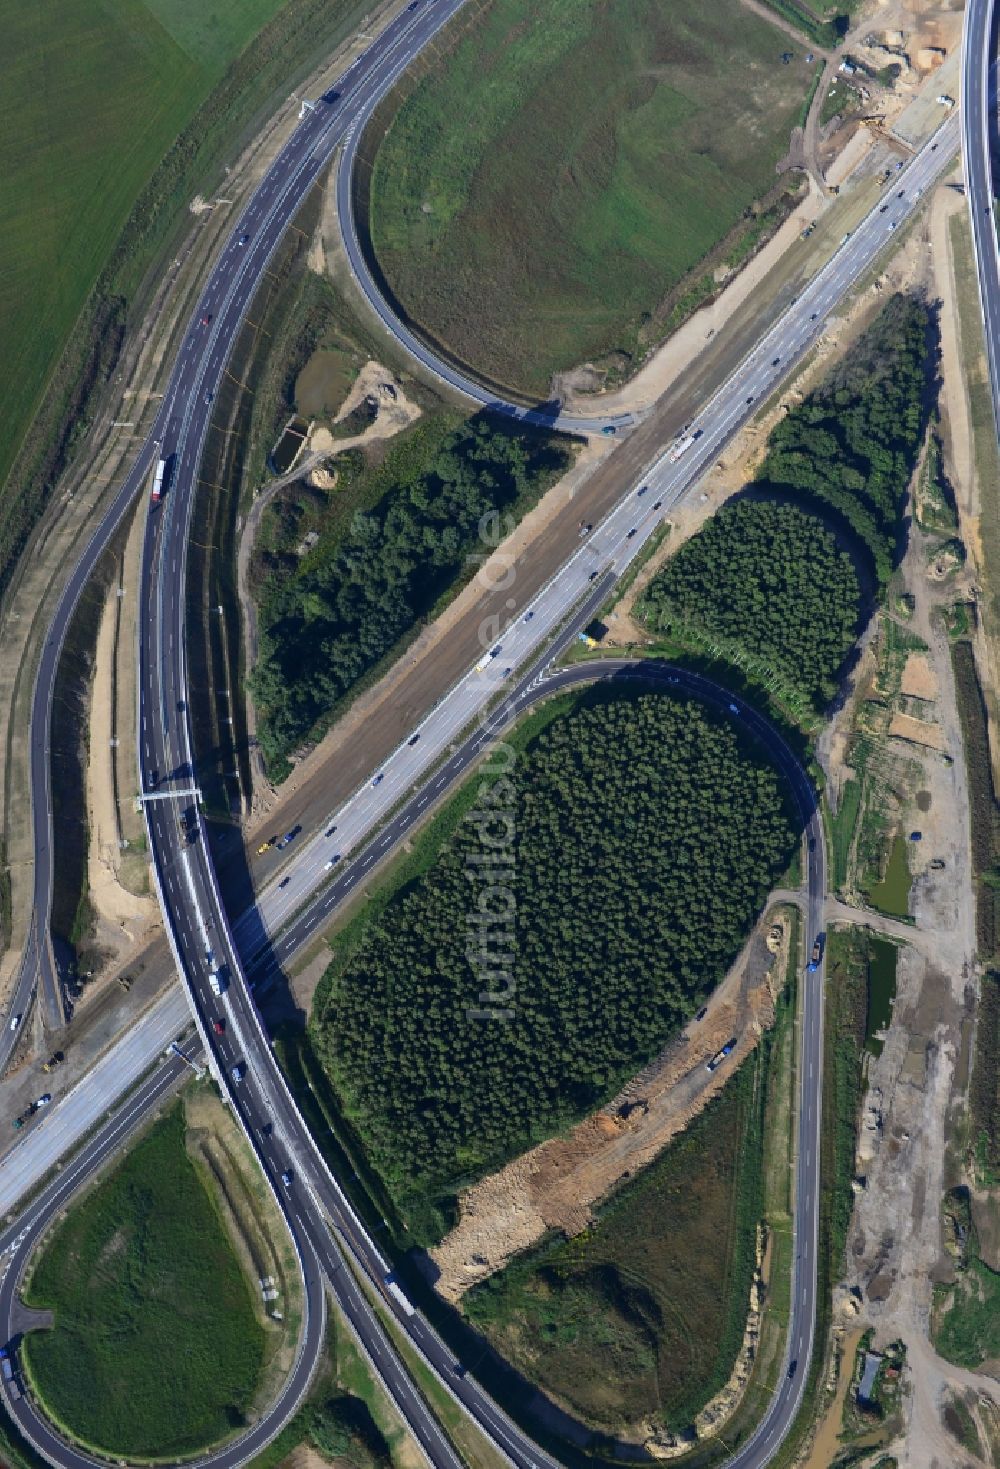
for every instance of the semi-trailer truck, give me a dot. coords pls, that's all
(720, 1056)
(393, 1287)
(683, 445)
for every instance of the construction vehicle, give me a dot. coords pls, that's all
(720, 1056)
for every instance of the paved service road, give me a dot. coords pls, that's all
(979, 131)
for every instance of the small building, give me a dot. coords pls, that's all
(873, 1360)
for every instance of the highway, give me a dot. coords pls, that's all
(979, 130)
(315, 1198)
(195, 919)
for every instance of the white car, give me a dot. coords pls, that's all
(15, 1021)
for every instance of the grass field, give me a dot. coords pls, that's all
(92, 97)
(146, 1290)
(644, 1313)
(554, 177)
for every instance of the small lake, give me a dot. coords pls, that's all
(882, 958)
(892, 894)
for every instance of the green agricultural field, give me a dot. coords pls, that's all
(147, 1292)
(643, 1314)
(557, 173)
(93, 96)
(491, 1001)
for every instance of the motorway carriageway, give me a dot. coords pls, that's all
(270, 1134)
(611, 546)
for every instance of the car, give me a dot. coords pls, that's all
(459, 1369)
(238, 1072)
(702, 1013)
(734, 708)
(209, 396)
(892, 224)
(15, 1021)
(750, 399)
(206, 319)
(775, 361)
(154, 779)
(412, 740)
(657, 504)
(791, 1368)
(219, 1026)
(181, 706)
(18, 1122)
(642, 490)
(284, 882)
(901, 193)
(282, 842)
(333, 861)
(495, 652)
(609, 430)
(265, 846)
(243, 239)
(527, 617)
(883, 209)
(593, 576)
(379, 778)
(330, 831)
(630, 534)
(815, 316)
(44, 1100)
(287, 1176)
(933, 147)
(507, 672)
(585, 528)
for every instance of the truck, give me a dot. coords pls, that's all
(720, 1056)
(159, 481)
(816, 956)
(9, 1375)
(216, 983)
(683, 445)
(393, 1288)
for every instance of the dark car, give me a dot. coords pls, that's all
(379, 778)
(238, 1072)
(792, 1366)
(209, 397)
(657, 504)
(642, 489)
(284, 882)
(413, 739)
(775, 361)
(243, 239)
(330, 830)
(630, 534)
(702, 1013)
(750, 399)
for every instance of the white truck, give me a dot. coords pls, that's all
(393, 1288)
(216, 982)
(683, 445)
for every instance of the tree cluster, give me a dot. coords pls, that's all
(612, 875)
(359, 592)
(852, 445)
(769, 578)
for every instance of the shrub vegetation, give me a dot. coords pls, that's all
(644, 837)
(768, 579)
(644, 1313)
(146, 1291)
(364, 588)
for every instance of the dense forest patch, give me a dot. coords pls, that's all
(766, 578)
(589, 901)
(364, 587)
(852, 444)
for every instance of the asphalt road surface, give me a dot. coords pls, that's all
(196, 921)
(315, 1198)
(979, 132)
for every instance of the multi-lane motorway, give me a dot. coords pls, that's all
(979, 133)
(314, 1197)
(196, 920)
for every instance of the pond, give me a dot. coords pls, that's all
(284, 452)
(892, 894)
(882, 958)
(324, 383)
